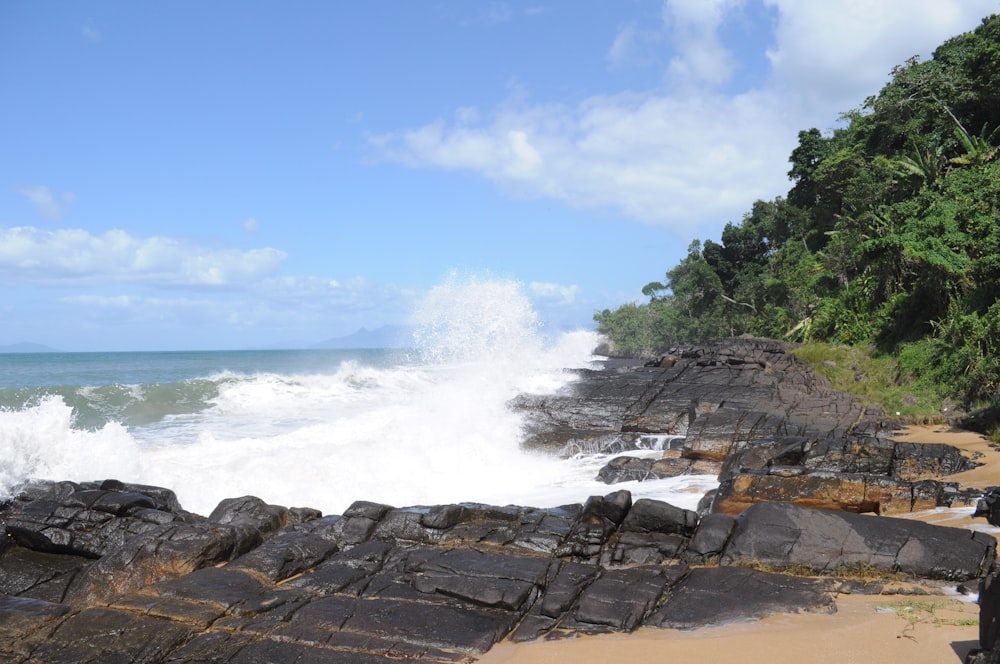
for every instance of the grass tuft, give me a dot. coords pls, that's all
(876, 379)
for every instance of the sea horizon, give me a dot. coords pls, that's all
(303, 427)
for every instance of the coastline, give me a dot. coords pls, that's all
(865, 628)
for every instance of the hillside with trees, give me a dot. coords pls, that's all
(889, 238)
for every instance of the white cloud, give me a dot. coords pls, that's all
(251, 225)
(690, 153)
(46, 203)
(550, 291)
(831, 55)
(76, 257)
(306, 308)
(634, 46)
(654, 158)
(694, 25)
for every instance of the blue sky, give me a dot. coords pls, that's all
(233, 174)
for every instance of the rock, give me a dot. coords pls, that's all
(639, 469)
(434, 584)
(286, 554)
(989, 505)
(767, 423)
(989, 619)
(720, 595)
(621, 598)
(38, 575)
(783, 536)
(652, 532)
(711, 536)
(82, 519)
(851, 492)
(167, 552)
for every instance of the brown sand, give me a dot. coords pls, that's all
(864, 629)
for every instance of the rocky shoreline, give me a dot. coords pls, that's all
(110, 571)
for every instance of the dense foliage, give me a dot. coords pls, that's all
(888, 237)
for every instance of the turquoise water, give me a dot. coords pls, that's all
(316, 428)
(141, 388)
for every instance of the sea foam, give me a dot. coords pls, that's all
(429, 428)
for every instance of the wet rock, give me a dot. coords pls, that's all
(600, 517)
(167, 552)
(988, 505)
(771, 427)
(621, 598)
(851, 492)
(97, 636)
(437, 584)
(989, 620)
(83, 519)
(638, 469)
(720, 595)
(38, 575)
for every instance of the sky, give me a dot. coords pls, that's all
(240, 174)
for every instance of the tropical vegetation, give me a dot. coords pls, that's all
(888, 239)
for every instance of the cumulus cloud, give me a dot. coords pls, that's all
(831, 55)
(700, 148)
(693, 28)
(77, 257)
(47, 203)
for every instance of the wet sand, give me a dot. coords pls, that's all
(888, 628)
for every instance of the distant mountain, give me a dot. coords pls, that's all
(387, 336)
(27, 347)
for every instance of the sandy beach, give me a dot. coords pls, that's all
(887, 628)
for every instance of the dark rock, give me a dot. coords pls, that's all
(303, 514)
(989, 505)
(621, 598)
(638, 469)
(479, 577)
(851, 492)
(918, 461)
(784, 536)
(165, 552)
(989, 612)
(359, 520)
(84, 519)
(710, 537)
(436, 584)
(598, 520)
(346, 571)
(778, 429)
(25, 623)
(720, 595)
(43, 576)
(656, 516)
(440, 625)
(97, 636)
(286, 554)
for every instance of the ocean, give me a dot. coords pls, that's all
(314, 428)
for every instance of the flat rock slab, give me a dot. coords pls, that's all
(434, 584)
(720, 595)
(785, 536)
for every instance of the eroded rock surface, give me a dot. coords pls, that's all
(256, 582)
(751, 413)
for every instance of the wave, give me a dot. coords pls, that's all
(399, 429)
(129, 405)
